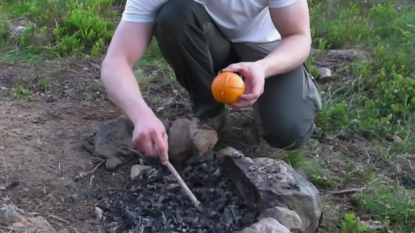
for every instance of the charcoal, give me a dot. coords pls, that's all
(156, 203)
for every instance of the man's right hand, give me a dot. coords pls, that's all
(150, 137)
(128, 45)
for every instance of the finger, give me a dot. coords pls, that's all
(247, 97)
(233, 68)
(161, 148)
(253, 95)
(166, 139)
(148, 147)
(138, 145)
(240, 104)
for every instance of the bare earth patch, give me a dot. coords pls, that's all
(42, 134)
(41, 141)
(41, 155)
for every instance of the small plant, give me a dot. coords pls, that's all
(20, 92)
(43, 83)
(73, 26)
(352, 225)
(392, 204)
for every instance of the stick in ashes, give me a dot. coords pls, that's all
(186, 189)
(184, 186)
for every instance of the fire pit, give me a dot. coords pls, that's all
(157, 203)
(238, 194)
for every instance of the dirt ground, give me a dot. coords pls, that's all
(41, 154)
(41, 140)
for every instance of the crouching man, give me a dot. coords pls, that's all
(266, 41)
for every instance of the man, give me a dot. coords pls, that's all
(266, 41)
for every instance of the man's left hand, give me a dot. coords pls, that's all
(254, 77)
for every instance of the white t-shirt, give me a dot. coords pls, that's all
(239, 20)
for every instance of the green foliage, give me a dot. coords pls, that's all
(64, 27)
(351, 225)
(374, 96)
(381, 98)
(334, 116)
(4, 29)
(394, 205)
(20, 92)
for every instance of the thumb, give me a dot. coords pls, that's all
(232, 68)
(164, 158)
(161, 151)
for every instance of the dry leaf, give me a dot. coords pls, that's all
(18, 225)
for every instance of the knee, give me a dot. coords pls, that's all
(288, 135)
(173, 15)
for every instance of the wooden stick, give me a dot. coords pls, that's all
(183, 185)
(186, 189)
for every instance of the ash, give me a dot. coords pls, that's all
(158, 203)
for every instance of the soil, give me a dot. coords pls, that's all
(41, 139)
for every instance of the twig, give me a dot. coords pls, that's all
(59, 169)
(90, 181)
(84, 174)
(57, 218)
(346, 191)
(186, 189)
(352, 190)
(96, 66)
(7, 171)
(96, 167)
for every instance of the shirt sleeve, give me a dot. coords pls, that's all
(141, 11)
(280, 3)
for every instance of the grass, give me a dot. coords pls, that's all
(377, 101)
(57, 28)
(369, 100)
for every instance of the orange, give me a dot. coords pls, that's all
(227, 87)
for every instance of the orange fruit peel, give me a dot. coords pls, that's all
(227, 87)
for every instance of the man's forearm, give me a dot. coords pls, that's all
(128, 45)
(290, 53)
(123, 90)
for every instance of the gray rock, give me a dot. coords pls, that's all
(286, 217)
(264, 161)
(189, 143)
(325, 75)
(114, 141)
(270, 183)
(202, 140)
(98, 213)
(180, 146)
(16, 220)
(138, 170)
(8, 213)
(227, 151)
(266, 225)
(324, 72)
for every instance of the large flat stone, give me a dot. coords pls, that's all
(286, 217)
(266, 225)
(269, 183)
(180, 147)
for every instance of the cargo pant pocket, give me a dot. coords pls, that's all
(311, 93)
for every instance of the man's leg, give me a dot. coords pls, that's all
(195, 49)
(286, 110)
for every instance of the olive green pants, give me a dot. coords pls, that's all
(196, 50)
